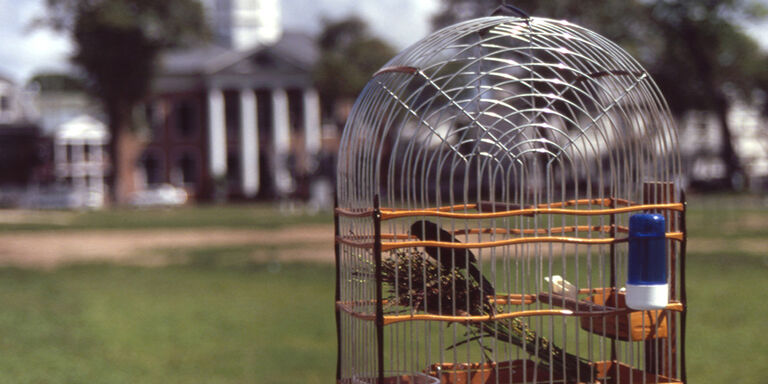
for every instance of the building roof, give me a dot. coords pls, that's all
(295, 48)
(197, 60)
(285, 64)
(83, 127)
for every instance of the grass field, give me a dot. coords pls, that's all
(200, 323)
(256, 216)
(220, 317)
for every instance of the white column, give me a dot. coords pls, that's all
(217, 134)
(249, 143)
(281, 141)
(79, 167)
(97, 153)
(60, 157)
(311, 122)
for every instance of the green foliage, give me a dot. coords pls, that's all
(117, 41)
(692, 48)
(349, 56)
(697, 51)
(702, 50)
(704, 59)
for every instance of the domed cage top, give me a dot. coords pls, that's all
(486, 178)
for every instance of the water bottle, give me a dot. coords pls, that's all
(647, 286)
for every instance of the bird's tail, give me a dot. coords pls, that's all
(566, 365)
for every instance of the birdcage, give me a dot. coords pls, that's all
(488, 178)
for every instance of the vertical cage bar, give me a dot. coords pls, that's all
(613, 286)
(379, 297)
(660, 193)
(337, 252)
(454, 127)
(683, 295)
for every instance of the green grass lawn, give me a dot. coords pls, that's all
(220, 318)
(728, 330)
(199, 323)
(238, 322)
(256, 216)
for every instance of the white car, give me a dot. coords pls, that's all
(162, 195)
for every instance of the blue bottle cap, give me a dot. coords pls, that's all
(647, 225)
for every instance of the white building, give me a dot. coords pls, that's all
(15, 103)
(80, 158)
(240, 117)
(699, 133)
(248, 120)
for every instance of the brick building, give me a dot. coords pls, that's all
(240, 123)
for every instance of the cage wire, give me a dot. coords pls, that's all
(486, 176)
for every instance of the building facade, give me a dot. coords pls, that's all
(15, 103)
(80, 159)
(21, 149)
(226, 123)
(700, 147)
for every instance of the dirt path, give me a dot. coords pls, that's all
(46, 249)
(52, 248)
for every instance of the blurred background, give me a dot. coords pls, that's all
(168, 169)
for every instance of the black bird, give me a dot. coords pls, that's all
(514, 331)
(450, 258)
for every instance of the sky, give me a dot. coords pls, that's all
(25, 50)
(401, 22)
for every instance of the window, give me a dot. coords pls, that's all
(264, 118)
(152, 171)
(188, 166)
(184, 117)
(296, 109)
(154, 119)
(233, 168)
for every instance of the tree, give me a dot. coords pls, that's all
(694, 49)
(703, 54)
(349, 56)
(117, 43)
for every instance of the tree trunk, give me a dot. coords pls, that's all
(125, 148)
(728, 154)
